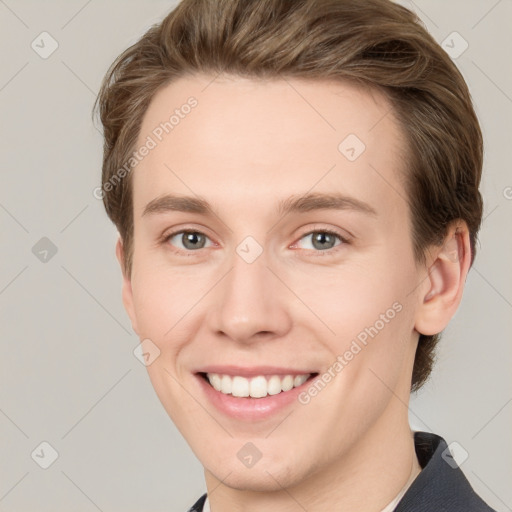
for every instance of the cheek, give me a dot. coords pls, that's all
(370, 313)
(150, 304)
(348, 300)
(160, 301)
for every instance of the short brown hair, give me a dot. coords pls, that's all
(372, 42)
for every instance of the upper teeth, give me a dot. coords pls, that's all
(257, 387)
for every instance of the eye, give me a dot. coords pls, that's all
(323, 240)
(190, 240)
(320, 240)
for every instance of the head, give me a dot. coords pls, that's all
(278, 104)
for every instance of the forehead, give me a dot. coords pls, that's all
(258, 140)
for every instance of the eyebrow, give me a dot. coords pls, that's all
(293, 204)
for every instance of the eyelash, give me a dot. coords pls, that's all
(344, 240)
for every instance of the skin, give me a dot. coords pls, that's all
(247, 145)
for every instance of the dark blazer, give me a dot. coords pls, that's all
(440, 487)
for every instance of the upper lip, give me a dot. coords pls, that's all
(253, 371)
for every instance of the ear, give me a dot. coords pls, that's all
(442, 290)
(127, 286)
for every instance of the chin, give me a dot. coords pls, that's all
(261, 481)
(264, 477)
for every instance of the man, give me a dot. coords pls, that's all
(324, 158)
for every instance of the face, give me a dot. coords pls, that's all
(272, 239)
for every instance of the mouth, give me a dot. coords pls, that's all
(259, 386)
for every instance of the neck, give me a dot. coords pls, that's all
(366, 478)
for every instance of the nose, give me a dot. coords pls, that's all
(250, 302)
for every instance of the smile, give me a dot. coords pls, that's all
(255, 387)
(253, 393)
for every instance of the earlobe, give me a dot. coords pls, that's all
(127, 293)
(442, 291)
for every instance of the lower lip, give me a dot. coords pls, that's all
(248, 408)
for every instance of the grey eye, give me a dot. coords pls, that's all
(322, 240)
(190, 240)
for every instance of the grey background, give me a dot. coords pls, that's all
(68, 373)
